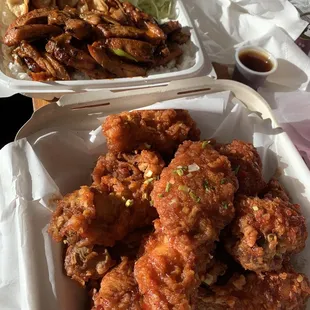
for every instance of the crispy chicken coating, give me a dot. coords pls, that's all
(194, 200)
(118, 289)
(88, 264)
(246, 163)
(195, 192)
(159, 130)
(265, 232)
(169, 272)
(274, 189)
(215, 270)
(85, 263)
(284, 289)
(118, 202)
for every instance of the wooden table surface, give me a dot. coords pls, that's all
(221, 71)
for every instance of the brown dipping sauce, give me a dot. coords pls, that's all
(256, 61)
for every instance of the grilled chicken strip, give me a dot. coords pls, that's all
(179, 37)
(56, 17)
(170, 26)
(48, 67)
(30, 32)
(118, 31)
(61, 72)
(139, 50)
(64, 52)
(113, 63)
(68, 55)
(146, 22)
(174, 52)
(79, 29)
(33, 17)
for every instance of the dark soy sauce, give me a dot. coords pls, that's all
(255, 61)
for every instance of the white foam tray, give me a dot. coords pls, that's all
(49, 90)
(74, 112)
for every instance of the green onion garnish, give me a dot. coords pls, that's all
(237, 169)
(194, 197)
(205, 143)
(225, 205)
(183, 188)
(129, 203)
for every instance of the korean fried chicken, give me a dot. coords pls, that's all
(160, 130)
(194, 200)
(117, 202)
(284, 289)
(198, 186)
(274, 189)
(91, 263)
(87, 262)
(265, 232)
(247, 165)
(118, 289)
(168, 271)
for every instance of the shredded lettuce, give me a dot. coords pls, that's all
(160, 9)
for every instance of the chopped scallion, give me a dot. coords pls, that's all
(129, 203)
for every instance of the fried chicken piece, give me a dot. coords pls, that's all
(193, 204)
(273, 190)
(247, 165)
(132, 244)
(284, 289)
(139, 50)
(198, 186)
(143, 166)
(160, 130)
(118, 289)
(112, 63)
(91, 216)
(168, 274)
(117, 203)
(215, 270)
(30, 33)
(83, 263)
(265, 232)
(130, 177)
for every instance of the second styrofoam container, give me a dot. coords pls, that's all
(48, 90)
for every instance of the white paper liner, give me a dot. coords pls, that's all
(55, 161)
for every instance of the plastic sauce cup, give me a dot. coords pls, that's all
(253, 65)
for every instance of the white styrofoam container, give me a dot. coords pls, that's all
(75, 112)
(50, 90)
